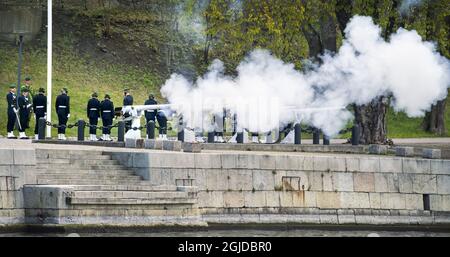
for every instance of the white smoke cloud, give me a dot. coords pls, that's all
(266, 90)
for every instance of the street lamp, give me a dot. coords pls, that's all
(20, 34)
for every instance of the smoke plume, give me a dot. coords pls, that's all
(268, 93)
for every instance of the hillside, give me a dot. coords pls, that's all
(108, 50)
(132, 55)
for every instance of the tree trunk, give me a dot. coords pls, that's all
(434, 120)
(371, 118)
(314, 42)
(343, 13)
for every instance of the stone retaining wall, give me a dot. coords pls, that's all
(16, 169)
(20, 17)
(250, 184)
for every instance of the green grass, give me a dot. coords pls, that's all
(401, 126)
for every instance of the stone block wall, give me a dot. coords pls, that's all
(257, 183)
(16, 169)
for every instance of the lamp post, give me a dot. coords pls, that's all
(19, 66)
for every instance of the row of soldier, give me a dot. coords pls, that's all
(20, 108)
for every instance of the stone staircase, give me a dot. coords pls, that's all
(89, 187)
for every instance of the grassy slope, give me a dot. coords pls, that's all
(80, 78)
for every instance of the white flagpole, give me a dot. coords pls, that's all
(49, 65)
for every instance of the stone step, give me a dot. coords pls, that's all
(53, 160)
(91, 182)
(80, 166)
(96, 162)
(84, 172)
(78, 161)
(90, 157)
(66, 154)
(90, 177)
(120, 187)
(130, 201)
(129, 194)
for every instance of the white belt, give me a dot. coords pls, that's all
(93, 109)
(39, 107)
(106, 111)
(62, 106)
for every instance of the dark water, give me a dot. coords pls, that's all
(244, 233)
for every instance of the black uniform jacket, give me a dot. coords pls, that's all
(107, 109)
(40, 104)
(150, 114)
(23, 106)
(93, 108)
(11, 98)
(127, 100)
(62, 104)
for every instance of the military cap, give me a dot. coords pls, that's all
(126, 90)
(41, 90)
(25, 89)
(28, 78)
(65, 90)
(94, 94)
(12, 85)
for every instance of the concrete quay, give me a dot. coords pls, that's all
(65, 185)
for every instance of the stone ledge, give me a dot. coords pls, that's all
(153, 144)
(169, 145)
(378, 149)
(134, 143)
(431, 153)
(404, 151)
(192, 147)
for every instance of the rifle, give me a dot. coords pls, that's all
(16, 111)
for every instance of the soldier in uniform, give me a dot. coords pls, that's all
(40, 108)
(62, 106)
(127, 100)
(93, 113)
(12, 111)
(28, 83)
(24, 112)
(30, 93)
(107, 113)
(150, 115)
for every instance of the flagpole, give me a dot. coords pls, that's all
(49, 65)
